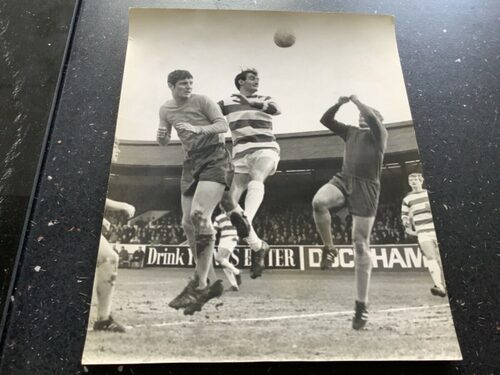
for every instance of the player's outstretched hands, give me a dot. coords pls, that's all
(343, 100)
(187, 127)
(354, 99)
(242, 99)
(162, 137)
(161, 133)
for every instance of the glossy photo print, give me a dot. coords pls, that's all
(266, 199)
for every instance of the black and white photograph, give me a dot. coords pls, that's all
(266, 198)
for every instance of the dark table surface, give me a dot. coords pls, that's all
(450, 53)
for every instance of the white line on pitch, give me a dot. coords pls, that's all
(287, 317)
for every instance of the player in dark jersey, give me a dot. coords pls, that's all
(207, 172)
(357, 186)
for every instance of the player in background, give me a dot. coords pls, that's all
(357, 186)
(416, 213)
(107, 269)
(206, 174)
(228, 239)
(255, 152)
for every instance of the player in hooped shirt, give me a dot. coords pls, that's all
(228, 239)
(255, 151)
(416, 213)
(357, 186)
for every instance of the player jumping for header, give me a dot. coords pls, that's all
(357, 186)
(206, 174)
(255, 151)
(416, 213)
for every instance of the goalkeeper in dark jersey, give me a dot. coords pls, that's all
(357, 186)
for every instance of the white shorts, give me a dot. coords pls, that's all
(246, 163)
(228, 243)
(427, 236)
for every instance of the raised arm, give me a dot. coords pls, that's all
(164, 130)
(264, 103)
(220, 104)
(120, 206)
(328, 118)
(373, 120)
(270, 106)
(213, 113)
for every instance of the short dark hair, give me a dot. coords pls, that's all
(416, 174)
(178, 75)
(243, 76)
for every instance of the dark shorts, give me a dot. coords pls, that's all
(212, 163)
(361, 195)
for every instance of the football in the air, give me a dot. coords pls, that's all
(284, 38)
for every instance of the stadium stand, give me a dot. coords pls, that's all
(279, 225)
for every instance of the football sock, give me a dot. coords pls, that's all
(254, 241)
(106, 276)
(323, 221)
(436, 272)
(106, 272)
(440, 262)
(191, 238)
(212, 276)
(254, 198)
(228, 265)
(230, 277)
(204, 251)
(363, 269)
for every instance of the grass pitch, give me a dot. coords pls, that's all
(285, 315)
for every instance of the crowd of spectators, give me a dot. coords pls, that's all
(164, 230)
(294, 225)
(278, 225)
(127, 259)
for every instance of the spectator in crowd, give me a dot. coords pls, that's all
(276, 224)
(124, 258)
(138, 258)
(135, 239)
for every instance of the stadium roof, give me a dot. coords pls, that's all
(297, 149)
